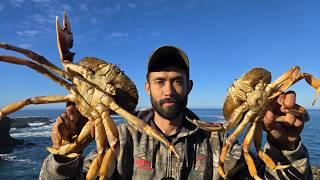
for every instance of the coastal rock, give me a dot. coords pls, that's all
(24, 122)
(6, 141)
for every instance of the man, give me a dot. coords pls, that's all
(142, 157)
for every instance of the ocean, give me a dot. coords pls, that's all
(25, 162)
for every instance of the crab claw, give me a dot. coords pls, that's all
(289, 78)
(208, 126)
(64, 39)
(314, 82)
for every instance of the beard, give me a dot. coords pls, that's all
(170, 112)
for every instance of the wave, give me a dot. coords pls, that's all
(33, 131)
(36, 124)
(40, 129)
(25, 117)
(10, 157)
(212, 116)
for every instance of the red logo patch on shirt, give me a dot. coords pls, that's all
(143, 164)
(201, 158)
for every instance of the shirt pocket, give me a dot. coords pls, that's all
(143, 173)
(195, 174)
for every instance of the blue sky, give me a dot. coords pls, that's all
(223, 39)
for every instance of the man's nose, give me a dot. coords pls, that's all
(169, 89)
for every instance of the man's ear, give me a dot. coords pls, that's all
(147, 87)
(189, 86)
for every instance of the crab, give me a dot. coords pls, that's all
(97, 88)
(247, 101)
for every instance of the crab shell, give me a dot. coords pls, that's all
(126, 92)
(251, 78)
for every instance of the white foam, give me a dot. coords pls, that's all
(39, 130)
(9, 157)
(34, 131)
(36, 124)
(31, 134)
(16, 117)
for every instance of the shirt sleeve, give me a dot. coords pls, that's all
(52, 169)
(298, 161)
(235, 165)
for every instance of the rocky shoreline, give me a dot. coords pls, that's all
(7, 143)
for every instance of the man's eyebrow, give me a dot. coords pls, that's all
(158, 78)
(178, 78)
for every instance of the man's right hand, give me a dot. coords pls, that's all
(67, 125)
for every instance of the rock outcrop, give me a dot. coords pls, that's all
(7, 143)
(24, 122)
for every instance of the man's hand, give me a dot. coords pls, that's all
(67, 125)
(284, 135)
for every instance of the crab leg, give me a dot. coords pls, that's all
(105, 128)
(257, 143)
(109, 160)
(108, 164)
(38, 68)
(71, 149)
(246, 149)
(79, 142)
(35, 100)
(100, 135)
(234, 119)
(231, 139)
(37, 58)
(111, 132)
(281, 84)
(236, 116)
(208, 126)
(94, 167)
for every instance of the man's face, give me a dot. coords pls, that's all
(168, 90)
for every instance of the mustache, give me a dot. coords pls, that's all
(169, 100)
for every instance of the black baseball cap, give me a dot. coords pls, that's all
(168, 56)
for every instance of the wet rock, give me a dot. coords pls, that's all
(24, 122)
(6, 141)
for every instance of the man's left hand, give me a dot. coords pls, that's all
(284, 135)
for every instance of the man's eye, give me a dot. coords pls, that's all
(159, 82)
(178, 81)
